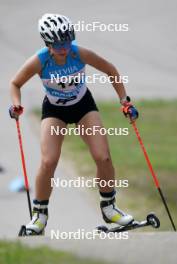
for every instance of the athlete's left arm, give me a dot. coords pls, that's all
(91, 58)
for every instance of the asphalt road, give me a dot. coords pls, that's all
(159, 248)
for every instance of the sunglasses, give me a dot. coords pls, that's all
(61, 45)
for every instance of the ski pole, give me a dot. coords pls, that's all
(153, 174)
(24, 166)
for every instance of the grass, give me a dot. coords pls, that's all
(16, 253)
(158, 127)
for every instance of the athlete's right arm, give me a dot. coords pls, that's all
(31, 67)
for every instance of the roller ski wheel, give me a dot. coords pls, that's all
(102, 229)
(23, 232)
(151, 220)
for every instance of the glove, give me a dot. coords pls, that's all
(15, 111)
(128, 109)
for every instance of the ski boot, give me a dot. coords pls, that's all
(38, 222)
(111, 213)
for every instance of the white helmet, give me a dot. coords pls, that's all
(53, 27)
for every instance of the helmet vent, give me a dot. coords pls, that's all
(55, 23)
(46, 23)
(65, 19)
(64, 27)
(54, 34)
(60, 20)
(48, 36)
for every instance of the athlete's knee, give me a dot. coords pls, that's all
(102, 157)
(49, 163)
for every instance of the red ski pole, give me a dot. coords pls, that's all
(153, 173)
(24, 166)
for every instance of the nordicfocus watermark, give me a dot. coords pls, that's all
(80, 78)
(80, 130)
(95, 26)
(82, 234)
(82, 182)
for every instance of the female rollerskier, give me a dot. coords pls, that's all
(66, 103)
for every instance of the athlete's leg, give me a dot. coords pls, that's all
(98, 145)
(50, 153)
(99, 149)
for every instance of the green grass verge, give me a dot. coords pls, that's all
(16, 253)
(158, 128)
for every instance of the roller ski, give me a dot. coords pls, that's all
(112, 214)
(26, 232)
(34, 228)
(151, 220)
